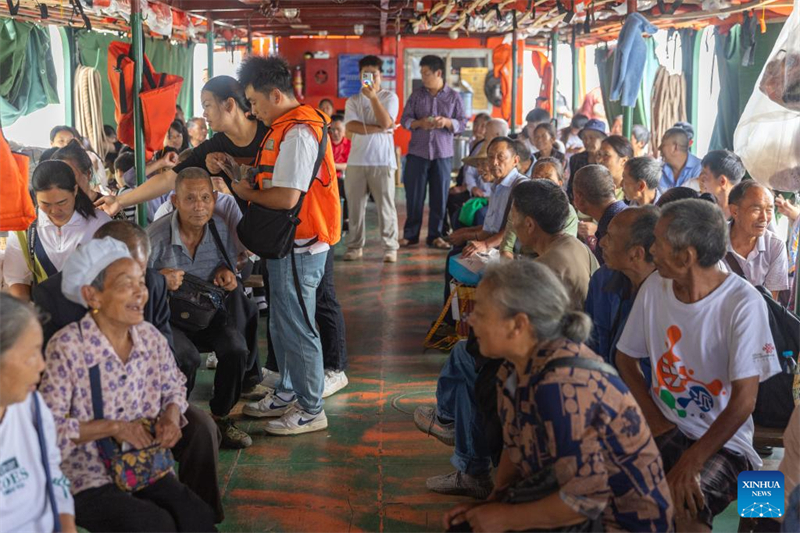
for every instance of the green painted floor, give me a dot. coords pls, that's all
(367, 471)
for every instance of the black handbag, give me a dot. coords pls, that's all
(196, 302)
(269, 233)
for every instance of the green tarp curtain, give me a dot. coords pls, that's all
(28, 79)
(737, 82)
(690, 59)
(604, 59)
(165, 57)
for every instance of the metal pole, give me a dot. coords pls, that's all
(249, 38)
(554, 61)
(627, 112)
(137, 48)
(514, 75)
(210, 45)
(576, 73)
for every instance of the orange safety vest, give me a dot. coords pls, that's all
(321, 213)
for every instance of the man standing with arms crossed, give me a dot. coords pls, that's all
(369, 116)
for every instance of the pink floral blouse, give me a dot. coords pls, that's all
(142, 388)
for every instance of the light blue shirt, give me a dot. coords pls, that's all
(472, 179)
(498, 203)
(691, 170)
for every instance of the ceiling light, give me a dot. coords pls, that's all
(290, 12)
(358, 29)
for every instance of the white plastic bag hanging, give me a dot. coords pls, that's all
(768, 135)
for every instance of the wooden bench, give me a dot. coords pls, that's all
(768, 437)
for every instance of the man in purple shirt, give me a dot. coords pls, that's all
(434, 113)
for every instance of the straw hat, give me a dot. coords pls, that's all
(482, 155)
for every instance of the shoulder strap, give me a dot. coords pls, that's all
(734, 265)
(215, 234)
(40, 253)
(37, 413)
(580, 362)
(105, 444)
(323, 147)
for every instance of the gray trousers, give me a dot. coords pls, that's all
(359, 183)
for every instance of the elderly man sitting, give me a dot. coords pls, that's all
(754, 252)
(503, 161)
(193, 245)
(474, 185)
(594, 195)
(706, 333)
(640, 180)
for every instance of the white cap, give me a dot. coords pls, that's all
(87, 262)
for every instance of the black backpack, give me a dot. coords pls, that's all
(774, 403)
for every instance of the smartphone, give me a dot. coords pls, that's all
(368, 79)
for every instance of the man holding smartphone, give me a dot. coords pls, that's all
(434, 113)
(369, 117)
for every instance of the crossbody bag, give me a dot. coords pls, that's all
(196, 302)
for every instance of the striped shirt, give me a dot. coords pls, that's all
(170, 252)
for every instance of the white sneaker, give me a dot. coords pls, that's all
(296, 421)
(352, 255)
(271, 379)
(270, 406)
(334, 382)
(211, 361)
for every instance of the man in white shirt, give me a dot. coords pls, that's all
(707, 336)
(287, 161)
(759, 254)
(369, 117)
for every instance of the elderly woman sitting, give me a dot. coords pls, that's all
(34, 495)
(136, 384)
(576, 445)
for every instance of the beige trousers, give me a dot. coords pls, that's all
(359, 183)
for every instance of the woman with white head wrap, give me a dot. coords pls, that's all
(138, 381)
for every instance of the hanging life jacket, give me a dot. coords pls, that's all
(158, 97)
(16, 209)
(321, 213)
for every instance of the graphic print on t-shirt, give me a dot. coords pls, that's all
(673, 379)
(12, 476)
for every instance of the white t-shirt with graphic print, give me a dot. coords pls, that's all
(697, 350)
(24, 505)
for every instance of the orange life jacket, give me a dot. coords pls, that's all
(321, 213)
(16, 209)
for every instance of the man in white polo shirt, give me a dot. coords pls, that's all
(707, 335)
(759, 254)
(369, 116)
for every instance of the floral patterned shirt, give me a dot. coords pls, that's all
(140, 388)
(588, 427)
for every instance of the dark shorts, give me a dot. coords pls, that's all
(718, 479)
